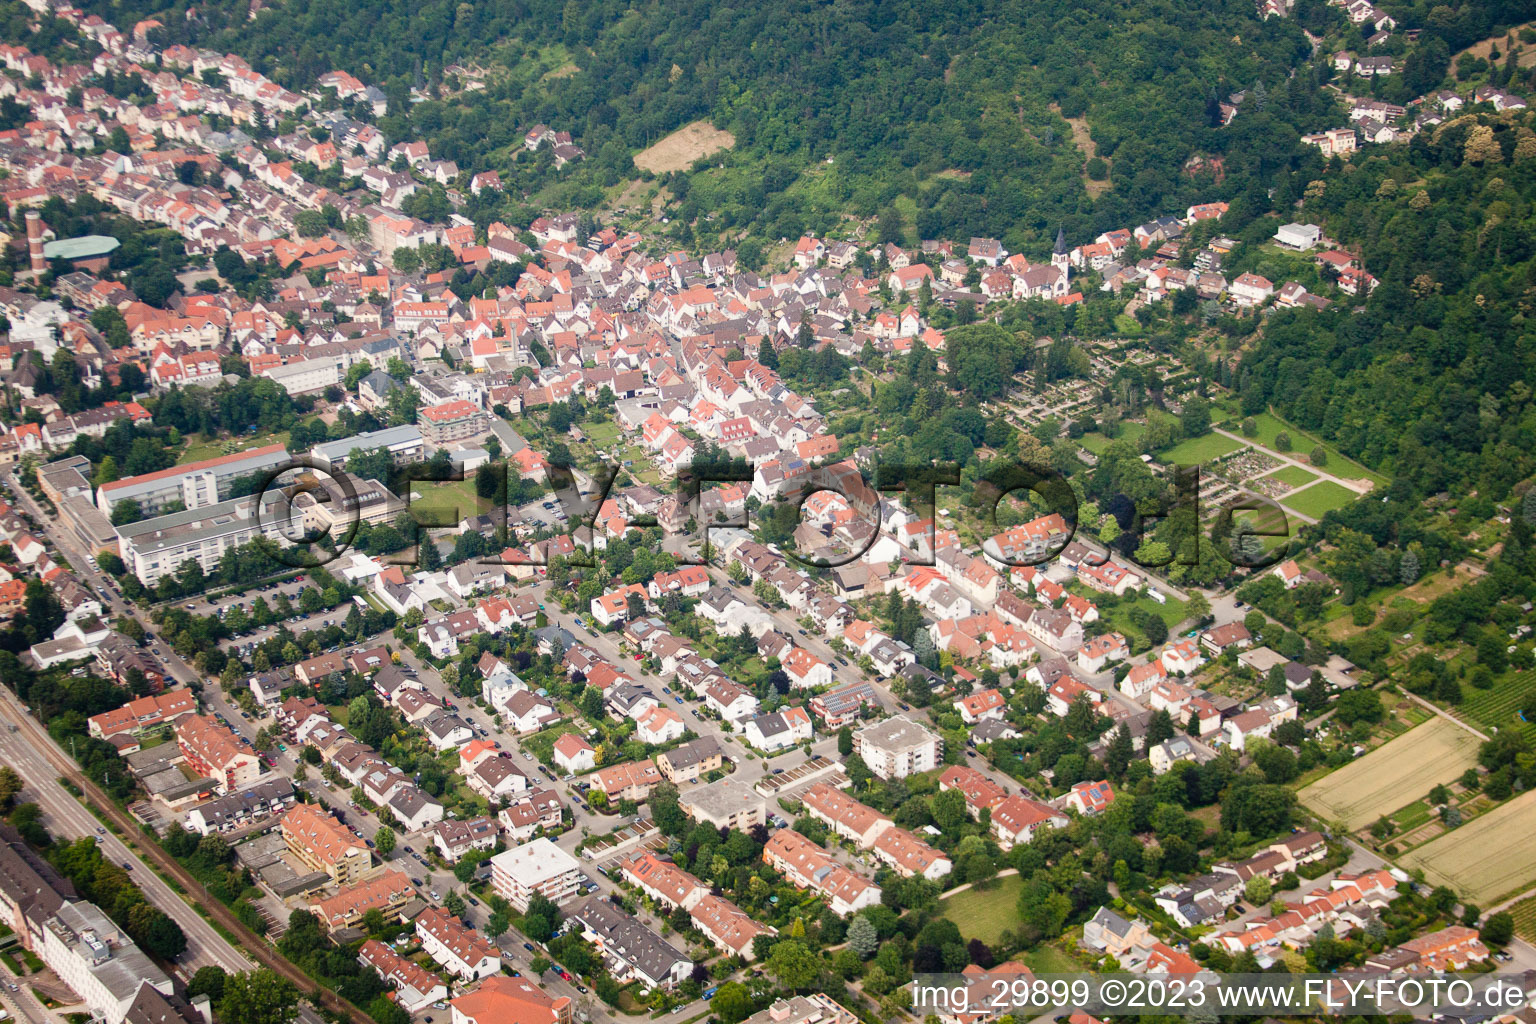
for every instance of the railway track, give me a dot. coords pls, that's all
(251, 943)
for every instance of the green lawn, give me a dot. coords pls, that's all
(986, 913)
(1293, 476)
(197, 452)
(601, 434)
(444, 502)
(1050, 960)
(1097, 442)
(542, 744)
(1127, 325)
(1302, 442)
(1322, 497)
(1197, 451)
(1119, 619)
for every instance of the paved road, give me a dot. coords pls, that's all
(67, 819)
(1358, 486)
(23, 1005)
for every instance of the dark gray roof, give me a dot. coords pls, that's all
(627, 940)
(27, 880)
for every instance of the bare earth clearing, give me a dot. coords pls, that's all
(1084, 142)
(679, 150)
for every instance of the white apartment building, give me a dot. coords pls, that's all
(535, 867)
(152, 548)
(898, 747)
(195, 484)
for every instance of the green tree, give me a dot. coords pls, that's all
(863, 938)
(11, 785)
(795, 966)
(126, 511)
(732, 1003)
(208, 981)
(1196, 417)
(384, 840)
(1499, 928)
(258, 997)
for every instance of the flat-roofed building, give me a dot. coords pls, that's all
(403, 443)
(194, 485)
(98, 961)
(538, 866)
(332, 504)
(898, 747)
(152, 548)
(725, 803)
(816, 1008)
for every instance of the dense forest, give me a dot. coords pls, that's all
(1431, 380)
(959, 109)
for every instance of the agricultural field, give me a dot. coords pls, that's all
(1319, 499)
(679, 150)
(1197, 451)
(1393, 775)
(1487, 858)
(1524, 914)
(1499, 707)
(986, 913)
(1292, 476)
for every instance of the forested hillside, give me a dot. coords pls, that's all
(950, 105)
(1432, 380)
(948, 121)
